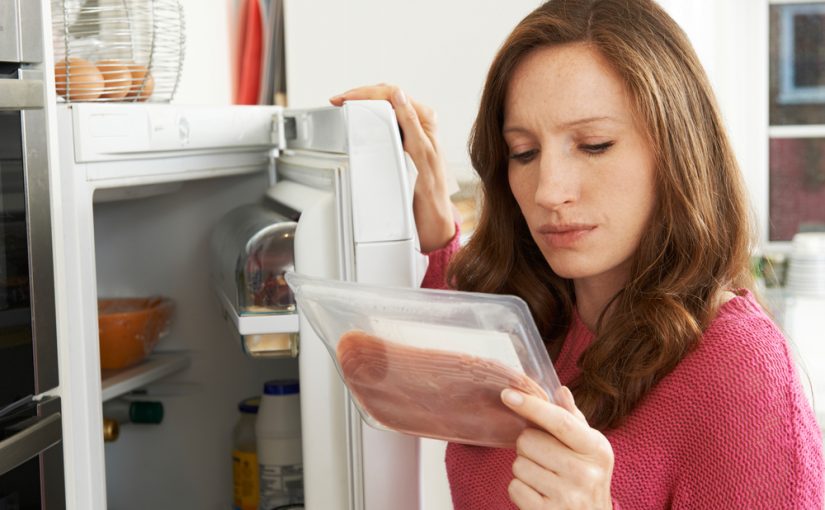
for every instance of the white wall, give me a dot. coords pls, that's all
(205, 78)
(438, 51)
(731, 40)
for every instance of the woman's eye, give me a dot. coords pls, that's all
(596, 149)
(524, 157)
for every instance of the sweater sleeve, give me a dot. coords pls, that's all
(753, 441)
(436, 275)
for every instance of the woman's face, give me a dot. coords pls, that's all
(581, 167)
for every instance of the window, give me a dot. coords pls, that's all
(796, 176)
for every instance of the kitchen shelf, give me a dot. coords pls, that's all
(155, 367)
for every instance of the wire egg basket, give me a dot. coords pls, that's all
(117, 50)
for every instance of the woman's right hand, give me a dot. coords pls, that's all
(431, 200)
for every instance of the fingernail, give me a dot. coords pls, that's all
(399, 98)
(336, 98)
(511, 397)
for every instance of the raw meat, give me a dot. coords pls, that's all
(433, 393)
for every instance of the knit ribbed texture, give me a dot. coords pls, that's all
(729, 428)
(438, 260)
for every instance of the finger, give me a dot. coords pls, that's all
(416, 141)
(384, 91)
(561, 423)
(536, 477)
(427, 117)
(545, 450)
(380, 91)
(523, 496)
(564, 397)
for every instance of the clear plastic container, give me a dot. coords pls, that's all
(430, 363)
(252, 249)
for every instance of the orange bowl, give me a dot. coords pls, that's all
(129, 328)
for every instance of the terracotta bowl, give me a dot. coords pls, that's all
(130, 328)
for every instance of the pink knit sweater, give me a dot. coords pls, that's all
(728, 428)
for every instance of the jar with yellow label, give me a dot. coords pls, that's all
(245, 457)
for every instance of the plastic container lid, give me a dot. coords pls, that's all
(249, 405)
(281, 387)
(430, 363)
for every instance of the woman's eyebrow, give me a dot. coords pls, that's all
(565, 125)
(588, 120)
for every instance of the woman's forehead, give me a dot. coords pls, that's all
(564, 85)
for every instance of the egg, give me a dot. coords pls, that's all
(143, 84)
(77, 79)
(117, 79)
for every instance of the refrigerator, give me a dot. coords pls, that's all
(138, 192)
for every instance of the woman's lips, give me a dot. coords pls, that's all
(565, 237)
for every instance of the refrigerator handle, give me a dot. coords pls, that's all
(17, 449)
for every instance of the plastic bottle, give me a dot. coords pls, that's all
(278, 432)
(245, 457)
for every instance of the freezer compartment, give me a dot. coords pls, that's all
(252, 249)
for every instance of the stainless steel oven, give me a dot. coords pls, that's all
(31, 464)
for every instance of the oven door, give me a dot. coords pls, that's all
(31, 460)
(31, 455)
(28, 341)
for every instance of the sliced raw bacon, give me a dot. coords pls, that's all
(433, 393)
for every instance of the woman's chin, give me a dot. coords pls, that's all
(571, 269)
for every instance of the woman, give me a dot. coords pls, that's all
(613, 206)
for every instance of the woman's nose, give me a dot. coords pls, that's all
(558, 183)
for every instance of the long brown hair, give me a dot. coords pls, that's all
(698, 243)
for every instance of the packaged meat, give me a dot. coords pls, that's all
(430, 363)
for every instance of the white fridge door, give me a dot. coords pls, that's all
(344, 176)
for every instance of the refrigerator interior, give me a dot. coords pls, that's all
(159, 245)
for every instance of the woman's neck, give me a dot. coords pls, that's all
(594, 292)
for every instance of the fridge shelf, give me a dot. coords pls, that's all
(156, 366)
(259, 324)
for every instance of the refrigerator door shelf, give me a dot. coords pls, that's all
(265, 335)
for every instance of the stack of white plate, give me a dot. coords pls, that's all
(806, 270)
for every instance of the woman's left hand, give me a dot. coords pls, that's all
(563, 465)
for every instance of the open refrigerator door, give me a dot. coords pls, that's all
(142, 190)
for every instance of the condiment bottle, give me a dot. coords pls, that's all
(120, 412)
(245, 457)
